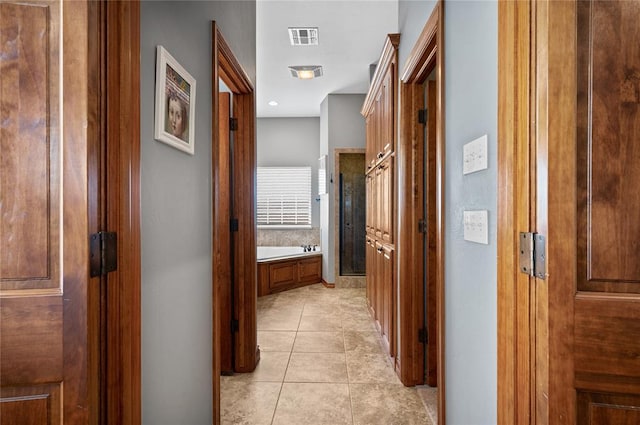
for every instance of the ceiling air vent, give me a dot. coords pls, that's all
(303, 36)
(306, 72)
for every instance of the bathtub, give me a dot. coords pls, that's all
(281, 268)
(268, 253)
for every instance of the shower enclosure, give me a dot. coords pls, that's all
(352, 214)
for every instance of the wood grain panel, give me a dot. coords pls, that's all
(608, 409)
(310, 270)
(31, 340)
(606, 352)
(32, 405)
(609, 95)
(285, 273)
(29, 146)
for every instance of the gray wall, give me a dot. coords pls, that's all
(470, 269)
(341, 126)
(412, 15)
(292, 142)
(176, 213)
(471, 91)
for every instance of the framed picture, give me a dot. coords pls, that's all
(175, 103)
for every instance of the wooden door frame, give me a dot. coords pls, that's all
(225, 66)
(114, 205)
(426, 55)
(119, 187)
(536, 118)
(516, 313)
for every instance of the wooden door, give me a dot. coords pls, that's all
(387, 316)
(226, 286)
(48, 374)
(588, 206)
(386, 199)
(429, 242)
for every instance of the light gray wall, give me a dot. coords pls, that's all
(471, 92)
(412, 15)
(341, 126)
(292, 142)
(470, 269)
(176, 212)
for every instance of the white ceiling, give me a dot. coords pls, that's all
(351, 35)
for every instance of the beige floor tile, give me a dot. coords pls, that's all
(319, 342)
(276, 340)
(315, 308)
(248, 403)
(317, 367)
(429, 396)
(386, 404)
(355, 313)
(313, 404)
(314, 322)
(362, 341)
(358, 323)
(271, 368)
(370, 368)
(278, 322)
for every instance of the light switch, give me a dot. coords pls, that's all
(475, 155)
(476, 227)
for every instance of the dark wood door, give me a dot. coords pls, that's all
(588, 172)
(388, 299)
(225, 285)
(47, 372)
(429, 242)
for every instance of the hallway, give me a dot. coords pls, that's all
(321, 363)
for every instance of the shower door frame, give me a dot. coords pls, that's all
(336, 212)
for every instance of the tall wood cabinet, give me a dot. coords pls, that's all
(380, 114)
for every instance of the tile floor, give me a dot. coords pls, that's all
(321, 363)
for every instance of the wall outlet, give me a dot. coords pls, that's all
(476, 226)
(475, 155)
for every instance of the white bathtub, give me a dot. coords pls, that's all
(268, 253)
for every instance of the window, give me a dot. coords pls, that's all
(284, 196)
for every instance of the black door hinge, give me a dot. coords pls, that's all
(103, 253)
(234, 225)
(423, 336)
(422, 226)
(233, 124)
(422, 116)
(235, 325)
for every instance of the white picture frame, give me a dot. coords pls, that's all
(175, 98)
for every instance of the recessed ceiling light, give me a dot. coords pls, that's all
(306, 72)
(273, 103)
(307, 36)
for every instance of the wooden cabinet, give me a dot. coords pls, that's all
(281, 275)
(380, 114)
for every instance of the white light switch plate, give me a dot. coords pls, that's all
(476, 227)
(475, 155)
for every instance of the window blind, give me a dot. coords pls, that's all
(284, 196)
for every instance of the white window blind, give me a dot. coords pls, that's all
(284, 196)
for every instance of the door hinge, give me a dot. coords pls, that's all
(423, 336)
(233, 124)
(235, 325)
(532, 255)
(422, 226)
(234, 225)
(422, 116)
(103, 253)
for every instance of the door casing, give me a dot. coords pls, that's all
(246, 354)
(426, 55)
